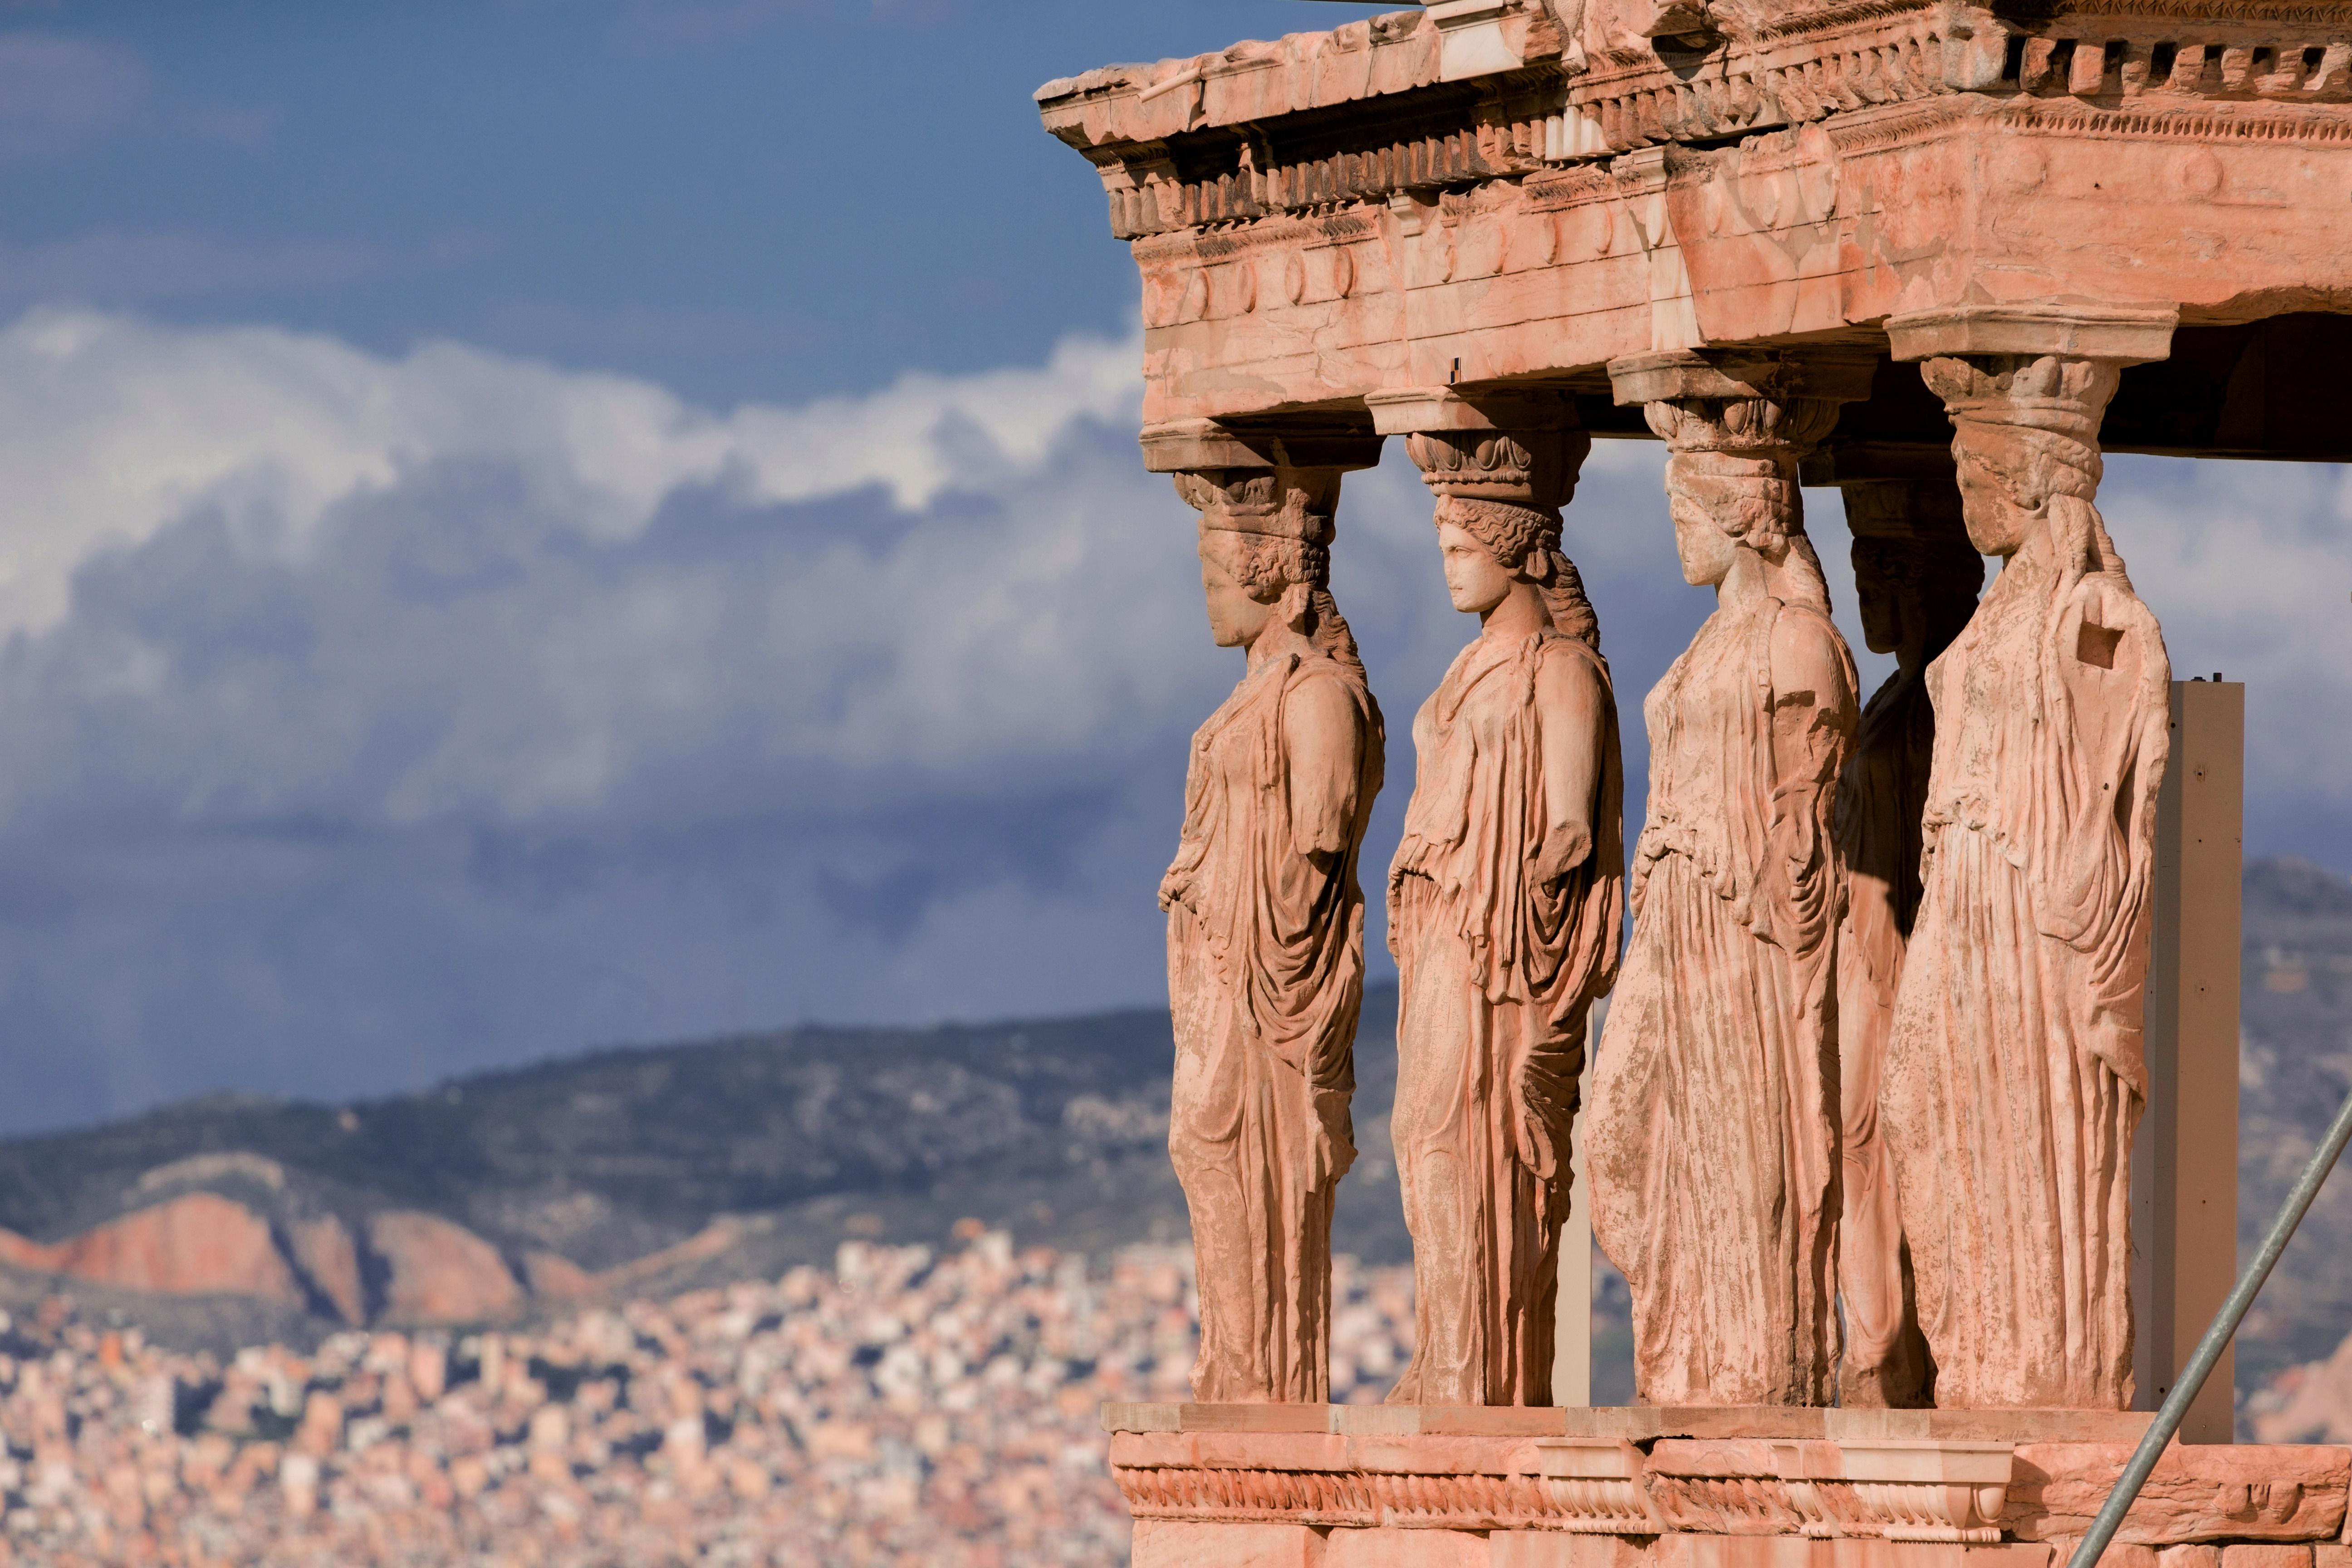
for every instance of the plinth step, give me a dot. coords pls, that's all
(1720, 1488)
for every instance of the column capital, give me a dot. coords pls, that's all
(2114, 335)
(1276, 480)
(1850, 462)
(1893, 490)
(1833, 374)
(1520, 448)
(1414, 410)
(1201, 446)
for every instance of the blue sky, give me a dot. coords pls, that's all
(537, 525)
(739, 199)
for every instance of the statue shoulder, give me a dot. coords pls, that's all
(1569, 667)
(1325, 695)
(1807, 654)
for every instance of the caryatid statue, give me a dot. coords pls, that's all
(1266, 935)
(2015, 1075)
(1505, 913)
(1714, 1141)
(1916, 578)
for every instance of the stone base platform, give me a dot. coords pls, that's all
(1644, 1487)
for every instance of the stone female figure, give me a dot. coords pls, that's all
(1714, 1138)
(1917, 579)
(1266, 944)
(2015, 1077)
(1505, 908)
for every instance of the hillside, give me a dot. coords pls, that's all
(662, 1168)
(2294, 1069)
(653, 1167)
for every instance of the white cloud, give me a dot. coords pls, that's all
(364, 719)
(111, 428)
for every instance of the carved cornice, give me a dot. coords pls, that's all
(2221, 122)
(1950, 1492)
(1797, 69)
(2213, 14)
(1832, 18)
(1372, 1499)
(2164, 68)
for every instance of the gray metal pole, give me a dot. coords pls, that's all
(2210, 1348)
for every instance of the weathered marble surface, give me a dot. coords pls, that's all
(1505, 903)
(2016, 1072)
(1887, 1503)
(1265, 939)
(1320, 216)
(1713, 1145)
(1916, 578)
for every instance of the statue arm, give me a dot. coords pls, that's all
(1324, 742)
(1570, 699)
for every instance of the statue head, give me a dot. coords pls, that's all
(1915, 593)
(1916, 575)
(1265, 557)
(2025, 433)
(1731, 487)
(1490, 546)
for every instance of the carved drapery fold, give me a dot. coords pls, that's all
(1265, 926)
(1500, 950)
(1915, 580)
(1714, 1138)
(2015, 1075)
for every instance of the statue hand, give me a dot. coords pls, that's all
(1563, 849)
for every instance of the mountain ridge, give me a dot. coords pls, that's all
(663, 1167)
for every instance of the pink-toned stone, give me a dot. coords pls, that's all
(1683, 1551)
(1939, 1555)
(1266, 956)
(1230, 1450)
(1731, 209)
(1686, 1551)
(1642, 1423)
(1405, 1549)
(324, 1250)
(2029, 964)
(1506, 901)
(1917, 579)
(1561, 1549)
(1835, 191)
(440, 1272)
(2197, 1493)
(1118, 1416)
(1717, 1205)
(2190, 1556)
(1173, 1543)
(2256, 1555)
